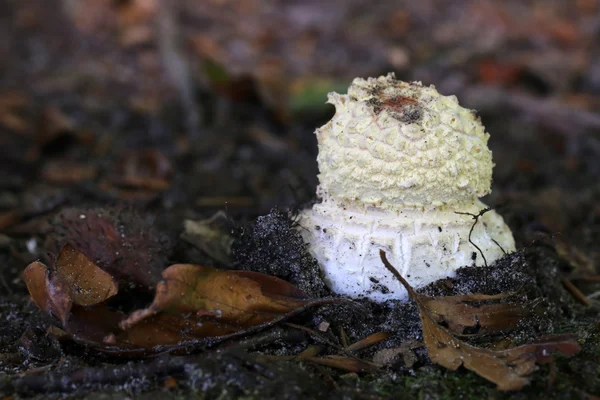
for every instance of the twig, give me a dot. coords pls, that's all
(575, 292)
(476, 218)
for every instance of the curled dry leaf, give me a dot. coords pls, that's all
(233, 299)
(8, 219)
(88, 283)
(508, 369)
(62, 172)
(144, 169)
(192, 304)
(121, 242)
(467, 312)
(49, 293)
(73, 280)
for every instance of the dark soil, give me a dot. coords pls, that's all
(97, 119)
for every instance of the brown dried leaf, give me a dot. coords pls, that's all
(88, 283)
(237, 299)
(74, 280)
(144, 169)
(8, 219)
(387, 357)
(508, 369)
(48, 291)
(192, 304)
(460, 312)
(119, 241)
(66, 172)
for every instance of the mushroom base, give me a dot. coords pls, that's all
(424, 245)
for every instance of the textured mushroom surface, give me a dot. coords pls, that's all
(398, 162)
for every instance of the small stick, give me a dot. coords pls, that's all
(476, 218)
(575, 292)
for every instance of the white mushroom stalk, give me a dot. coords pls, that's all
(401, 167)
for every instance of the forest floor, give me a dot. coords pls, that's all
(122, 120)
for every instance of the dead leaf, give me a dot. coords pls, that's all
(11, 106)
(211, 236)
(461, 312)
(48, 291)
(508, 369)
(144, 169)
(88, 283)
(66, 172)
(388, 357)
(74, 280)
(121, 242)
(236, 298)
(192, 305)
(8, 219)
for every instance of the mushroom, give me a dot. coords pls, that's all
(401, 169)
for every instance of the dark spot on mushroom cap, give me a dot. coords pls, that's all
(404, 108)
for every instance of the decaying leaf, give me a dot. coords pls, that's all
(88, 283)
(67, 172)
(48, 292)
(191, 304)
(462, 312)
(236, 298)
(508, 369)
(144, 169)
(73, 280)
(211, 237)
(121, 242)
(387, 357)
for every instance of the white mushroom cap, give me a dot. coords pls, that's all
(393, 144)
(398, 163)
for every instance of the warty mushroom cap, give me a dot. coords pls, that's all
(393, 144)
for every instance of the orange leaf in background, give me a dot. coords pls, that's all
(236, 298)
(498, 73)
(9, 219)
(508, 369)
(144, 169)
(67, 172)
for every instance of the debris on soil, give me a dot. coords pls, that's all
(509, 368)
(95, 122)
(121, 241)
(212, 235)
(272, 246)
